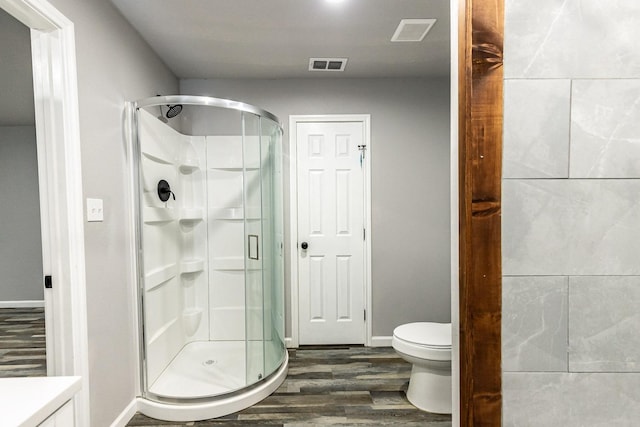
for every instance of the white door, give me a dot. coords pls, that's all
(331, 232)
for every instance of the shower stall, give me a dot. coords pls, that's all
(208, 181)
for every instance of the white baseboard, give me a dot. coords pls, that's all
(126, 415)
(381, 341)
(375, 342)
(22, 304)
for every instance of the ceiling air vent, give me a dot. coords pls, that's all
(327, 64)
(412, 30)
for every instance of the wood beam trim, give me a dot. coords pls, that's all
(481, 34)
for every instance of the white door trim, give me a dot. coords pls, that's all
(365, 119)
(455, 221)
(60, 182)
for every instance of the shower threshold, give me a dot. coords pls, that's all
(203, 369)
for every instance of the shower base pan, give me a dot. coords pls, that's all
(203, 369)
(213, 374)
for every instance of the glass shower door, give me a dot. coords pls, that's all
(272, 231)
(254, 256)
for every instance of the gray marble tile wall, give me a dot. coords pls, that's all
(534, 319)
(571, 213)
(571, 399)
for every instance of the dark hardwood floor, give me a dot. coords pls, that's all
(339, 386)
(336, 385)
(22, 342)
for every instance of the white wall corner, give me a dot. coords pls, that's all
(126, 415)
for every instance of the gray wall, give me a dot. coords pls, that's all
(20, 239)
(571, 218)
(410, 180)
(21, 243)
(114, 66)
(16, 84)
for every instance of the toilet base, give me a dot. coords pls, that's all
(430, 389)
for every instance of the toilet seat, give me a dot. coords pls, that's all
(424, 340)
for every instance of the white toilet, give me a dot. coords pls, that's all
(428, 347)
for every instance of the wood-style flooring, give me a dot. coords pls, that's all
(22, 342)
(339, 386)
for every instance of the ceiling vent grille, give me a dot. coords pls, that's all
(327, 64)
(412, 30)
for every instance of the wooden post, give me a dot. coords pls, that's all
(481, 33)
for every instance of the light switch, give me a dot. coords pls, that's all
(95, 212)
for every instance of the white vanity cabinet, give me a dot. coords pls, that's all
(38, 401)
(63, 417)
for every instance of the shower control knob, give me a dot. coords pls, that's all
(304, 245)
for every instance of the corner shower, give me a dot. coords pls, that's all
(210, 255)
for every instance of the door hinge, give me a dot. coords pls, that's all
(362, 149)
(365, 314)
(364, 234)
(47, 282)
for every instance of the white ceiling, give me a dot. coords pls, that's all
(276, 38)
(16, 84)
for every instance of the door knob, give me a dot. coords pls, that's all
(304, 245)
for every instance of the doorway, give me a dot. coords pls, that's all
(330, 209)
(21, 289)
(60, 186)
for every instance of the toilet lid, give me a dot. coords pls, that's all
(425, 333)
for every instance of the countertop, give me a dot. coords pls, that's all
(28, 401)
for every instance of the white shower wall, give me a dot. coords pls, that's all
(174, 242)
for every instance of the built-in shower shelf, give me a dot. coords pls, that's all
(228, 263)
(234, 213)
(191, 265)
(234, 169)
(156, 158)
(227, 213)
(157, 215)
(188, 166)
(191, 215)
(159, 276)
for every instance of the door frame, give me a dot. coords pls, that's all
(60, 186)
(365, 119)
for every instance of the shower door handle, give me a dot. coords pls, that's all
(254, 251)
